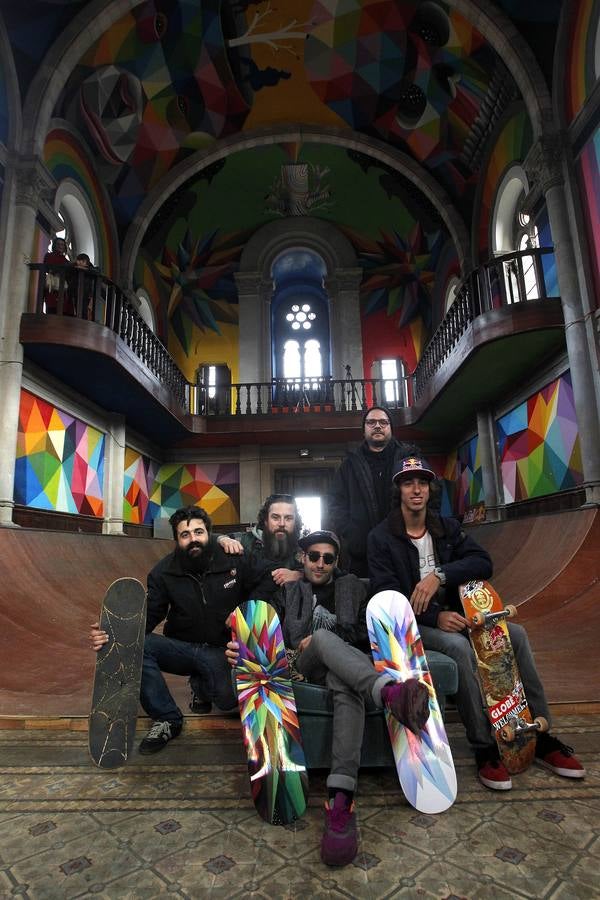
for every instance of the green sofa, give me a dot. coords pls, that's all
(315, 711)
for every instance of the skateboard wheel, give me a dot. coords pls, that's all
(507, 734)
(541, 723)
(478, 620)
(511, 611)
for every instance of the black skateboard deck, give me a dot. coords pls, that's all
(116, 693)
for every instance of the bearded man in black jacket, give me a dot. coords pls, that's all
(193, 590)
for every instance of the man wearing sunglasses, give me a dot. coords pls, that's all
(361, 492)
(323, 619)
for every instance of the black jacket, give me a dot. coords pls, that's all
(353, 507)
(295, 608)
(394, 560)
(195, 605)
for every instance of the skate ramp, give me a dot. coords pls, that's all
(51, 590)
(549, 566)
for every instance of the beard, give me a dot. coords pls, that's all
(279, 545)
(193, 562)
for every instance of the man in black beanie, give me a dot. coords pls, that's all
(361, 494)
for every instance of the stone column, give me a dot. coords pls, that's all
(27, 183)
(490, 468)
(255, 326)
(114, 468)
(346, 338)
(251, 495)
(545, 165)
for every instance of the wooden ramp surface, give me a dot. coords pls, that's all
(51, 590)
(549, 566)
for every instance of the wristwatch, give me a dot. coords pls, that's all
(440, 574)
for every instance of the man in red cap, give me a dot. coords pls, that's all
(427, 557)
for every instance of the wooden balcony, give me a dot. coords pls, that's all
(504, 323)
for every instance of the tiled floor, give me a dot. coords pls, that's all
(183, 824)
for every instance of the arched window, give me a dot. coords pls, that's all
(514, 230)
(300, 317)
(451, 292)
(74, 210)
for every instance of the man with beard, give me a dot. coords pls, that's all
(361, 494)
(193, 590)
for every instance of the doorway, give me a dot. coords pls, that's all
(311, 488)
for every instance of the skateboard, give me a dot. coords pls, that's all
(423, 762)
(508, 712)
(116, 693)
(271, 731)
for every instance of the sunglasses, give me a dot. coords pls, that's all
(315, 556)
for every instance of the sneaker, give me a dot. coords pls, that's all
(491, 770)
(200, 707)
(339, 844)
(159, 736)
(556, 756)
(408, 701)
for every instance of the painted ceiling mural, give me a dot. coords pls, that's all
(191, 251)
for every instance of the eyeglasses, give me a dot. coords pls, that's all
(315, 556)
(373, 422)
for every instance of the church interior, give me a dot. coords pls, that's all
(290, 212)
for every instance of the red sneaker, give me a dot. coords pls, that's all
(491, 770)
(554, 755)
(339, 844)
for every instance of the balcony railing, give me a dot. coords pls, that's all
(501, 282)
(506, 280)
(86, 294)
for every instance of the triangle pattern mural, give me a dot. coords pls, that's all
(539, 444)
(151, 491)
(60, 460)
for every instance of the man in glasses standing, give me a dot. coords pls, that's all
(361, 494)
(323, 619)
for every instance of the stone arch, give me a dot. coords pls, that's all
(376, 149)
(255, 290)
(13, 97)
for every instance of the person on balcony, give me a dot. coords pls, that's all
(56, 277)
(82, 285)
(426, 557)
(325, 631)
(361, 493)
(193, 590)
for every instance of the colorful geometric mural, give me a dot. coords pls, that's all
(66, 157)
(469, 481)
(138, 484)
(539, 444)
(581, 75)
(589, 177)
(512, 145)
(214, 487)
(60, 460)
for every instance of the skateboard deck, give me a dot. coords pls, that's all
(271, 731)
(501, 684)
(116, 693)
(423, 762)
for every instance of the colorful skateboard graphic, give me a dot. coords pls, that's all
(276, 765)
(424, 763)
(116, 693)
(507, 707)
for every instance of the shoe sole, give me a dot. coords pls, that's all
(564, 773)
(495, 785)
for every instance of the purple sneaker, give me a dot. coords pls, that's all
(408, 701)
(339, 844)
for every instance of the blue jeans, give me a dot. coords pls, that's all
(207, 665)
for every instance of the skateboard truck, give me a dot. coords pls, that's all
(518, 727)
(482, 620)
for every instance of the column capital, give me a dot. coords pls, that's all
(34, 183)
(344, 280)
(253, 284)
(544, 162)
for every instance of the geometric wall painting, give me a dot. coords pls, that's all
(59, 462)
(216, 488)
(138, 483)
(539, 444)
(469, 491)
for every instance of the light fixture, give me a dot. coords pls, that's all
(304, 453)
